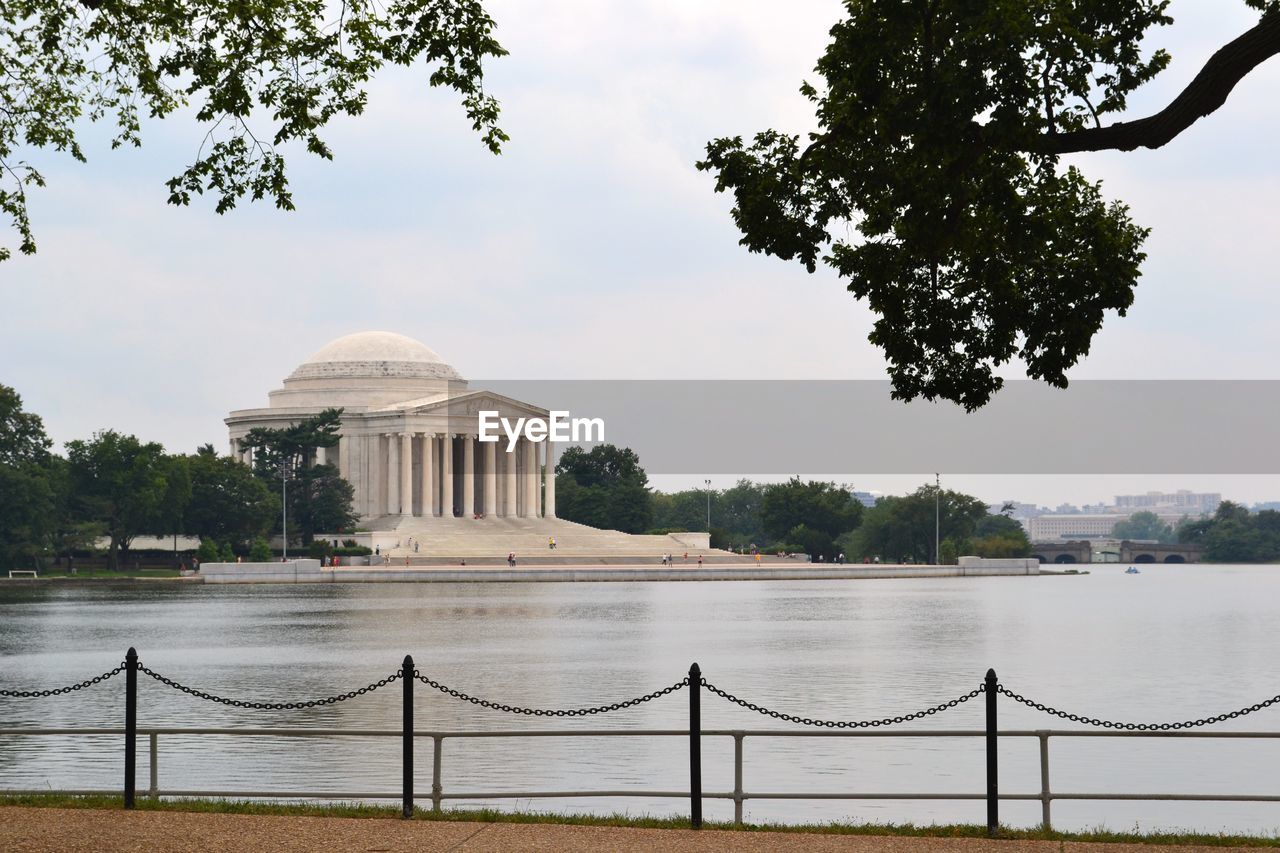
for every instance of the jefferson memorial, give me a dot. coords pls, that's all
(408, 443)
(408, 446)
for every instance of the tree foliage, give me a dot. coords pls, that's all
(120, 483)
(27, 498)
(293, 446)
(319, 499)
(605, 488)
(901, 528)
(1144, 525)
(821, 507)
(22, 436)
(257, 78)
(320, 502)
(735, 513)
(228, 503)
(934, 186)
(1235, 535)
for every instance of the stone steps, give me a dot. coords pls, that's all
(550, 560)
(496, 537)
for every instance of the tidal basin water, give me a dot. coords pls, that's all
(1172, 643)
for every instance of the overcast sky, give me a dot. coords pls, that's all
(591, 248)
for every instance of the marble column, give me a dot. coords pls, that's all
(344, 457)
(392, 472)
(530, 479)
(446, 475)
(428, 481)
(509, 476)
(406, 473)
(235, 448)
(537, 478)
(549, 496)
(376, 486)
(468, 475)
(490, 478)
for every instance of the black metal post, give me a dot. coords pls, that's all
(406, 675)
(130, 724)
(695, 747)
(993, 764)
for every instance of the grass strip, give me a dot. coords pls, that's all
(363, 810)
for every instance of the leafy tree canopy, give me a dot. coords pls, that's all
(319, 499)
(1235, 535)
(22, 436)
(1144, 525)
(605, 488)
(320, 502)
(822, 507)
(257, 77)
(121, 483)
(933, 183)
(902, 527)
(228, 503)
(295, 445)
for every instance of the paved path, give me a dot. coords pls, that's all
(28, 830)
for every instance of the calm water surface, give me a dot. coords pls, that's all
(1169, 644)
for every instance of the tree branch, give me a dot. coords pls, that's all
(1206, 93)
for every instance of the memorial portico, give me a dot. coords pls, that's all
(409, 438)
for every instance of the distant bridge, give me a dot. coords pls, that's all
(1075, 551)
(1153, 552)
(1081, 551)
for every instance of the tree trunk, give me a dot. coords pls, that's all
(1203, 95)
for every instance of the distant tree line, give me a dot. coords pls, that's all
(606, 487)
(1145, 526)
(1233, 534)
(117, 487)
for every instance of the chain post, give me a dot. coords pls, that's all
(130, 724)
(407, 742)
(993, 766)
(437, 788)
(695, 747)
(154, 790)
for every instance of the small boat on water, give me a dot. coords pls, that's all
(1132, 570)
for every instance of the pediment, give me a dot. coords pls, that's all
(468, 405)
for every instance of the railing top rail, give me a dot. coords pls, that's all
(259, 731)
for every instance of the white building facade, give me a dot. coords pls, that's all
(409, 435)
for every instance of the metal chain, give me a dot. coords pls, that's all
(1141, 727)
(270, 706)
(39, 694)
(550, 712)
(843, 724)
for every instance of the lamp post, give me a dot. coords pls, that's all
(708, 482)
(285, 465)
(937, 518)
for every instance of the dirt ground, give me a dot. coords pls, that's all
(27, 830)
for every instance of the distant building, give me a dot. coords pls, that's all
(865, 498)
(1092, 525)
(1065, 526)
(1182, 501)
(1018, 510)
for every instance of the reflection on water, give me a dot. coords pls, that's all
(1172, 643)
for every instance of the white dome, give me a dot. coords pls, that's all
(375, 354)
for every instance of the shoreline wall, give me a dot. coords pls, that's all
(310, 571)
